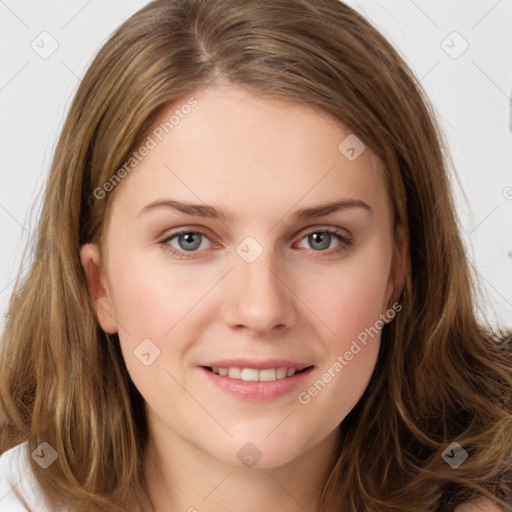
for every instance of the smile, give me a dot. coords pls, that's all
(253, 374)
(253, 384)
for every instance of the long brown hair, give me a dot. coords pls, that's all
(441, 376)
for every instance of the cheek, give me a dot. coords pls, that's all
(351, 312)
(150, 296)
(158, 307)
(151, 309)
(339, 385)
(348, 298)
(353, 336)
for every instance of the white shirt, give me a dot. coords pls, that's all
(15, 472)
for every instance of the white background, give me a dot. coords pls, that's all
(471, 94)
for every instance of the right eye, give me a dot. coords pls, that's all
(186, 241)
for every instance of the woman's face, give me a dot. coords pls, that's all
(265, 276)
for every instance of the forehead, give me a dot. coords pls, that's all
(236, 148)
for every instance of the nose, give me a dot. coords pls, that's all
(259, 296)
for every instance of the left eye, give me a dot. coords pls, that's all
(191, 241)
(322, 238)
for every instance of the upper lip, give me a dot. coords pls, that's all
(258, 365)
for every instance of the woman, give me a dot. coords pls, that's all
(181, 342)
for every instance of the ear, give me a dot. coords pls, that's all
(399, 266)
(102, 302)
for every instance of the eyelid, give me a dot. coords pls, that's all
(323, 227)
(171, 233)
(167, 236)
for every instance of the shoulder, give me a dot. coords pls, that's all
(480, 505)
(16, 474)
(12, 474)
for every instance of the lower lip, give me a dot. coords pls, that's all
(257, 390)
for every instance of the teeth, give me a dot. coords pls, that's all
(281, 373)
(267, 375)
(248, 374)
(235, 373)
(252, 374)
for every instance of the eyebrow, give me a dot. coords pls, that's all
(204, 210)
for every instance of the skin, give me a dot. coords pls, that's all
(260, 160)
(479, 505)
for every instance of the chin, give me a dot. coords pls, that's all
(256, 454)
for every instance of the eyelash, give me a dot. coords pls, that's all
(345, 243)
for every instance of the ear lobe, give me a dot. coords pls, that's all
(400, 265)
(399, 268)
(102, 302)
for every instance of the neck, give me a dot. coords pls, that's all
(180, 477)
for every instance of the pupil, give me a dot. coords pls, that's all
(189, 239)
(324, 237)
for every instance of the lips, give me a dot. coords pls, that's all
(256, 380)
(257, 365)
